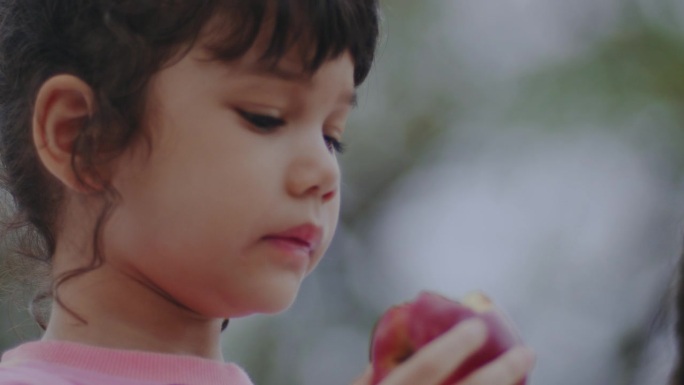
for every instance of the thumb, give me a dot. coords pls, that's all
(365, 378)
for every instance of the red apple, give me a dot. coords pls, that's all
(404, 329)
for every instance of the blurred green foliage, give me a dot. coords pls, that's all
(638, 70)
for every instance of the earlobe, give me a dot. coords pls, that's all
(64, 105)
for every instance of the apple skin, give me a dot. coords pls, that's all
(404, 329)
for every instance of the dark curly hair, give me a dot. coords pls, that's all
(115, 46)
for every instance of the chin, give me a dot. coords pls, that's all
(272, 300)
(279, 302)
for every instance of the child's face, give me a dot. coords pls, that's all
(239, 154)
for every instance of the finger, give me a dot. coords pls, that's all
(365, 378)
(508, 369)
(435, 362)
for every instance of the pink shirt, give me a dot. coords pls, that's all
(66, 363)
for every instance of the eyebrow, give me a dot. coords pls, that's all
(350, 98)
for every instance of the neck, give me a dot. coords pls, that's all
(107, 308)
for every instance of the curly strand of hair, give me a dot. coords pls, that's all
(111, 200)
(34, 308)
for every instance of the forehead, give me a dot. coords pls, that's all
(251, 71)
(293, 65)
(339, 69)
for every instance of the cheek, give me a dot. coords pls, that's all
(332, 218)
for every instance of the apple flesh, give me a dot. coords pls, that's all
(403, 329)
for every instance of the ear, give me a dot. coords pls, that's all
(64, 105)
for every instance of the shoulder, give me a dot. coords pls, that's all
(29, 373)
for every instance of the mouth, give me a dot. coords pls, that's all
(294, 241)
(304, 239)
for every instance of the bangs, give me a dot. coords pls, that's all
(319, 30)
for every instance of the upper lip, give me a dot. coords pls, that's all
(308, 234)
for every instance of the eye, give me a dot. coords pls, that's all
(333, 144)
(262, 122)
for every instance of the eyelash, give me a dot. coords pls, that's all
(267, 123)
(334, 144)
(262, 122)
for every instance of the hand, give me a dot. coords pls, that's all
(437, 360)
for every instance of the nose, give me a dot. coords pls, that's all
(314, 171)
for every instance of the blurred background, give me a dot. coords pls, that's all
(532, 149)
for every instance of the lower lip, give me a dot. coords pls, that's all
(291, 249)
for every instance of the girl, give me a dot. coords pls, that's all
(176, 159)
